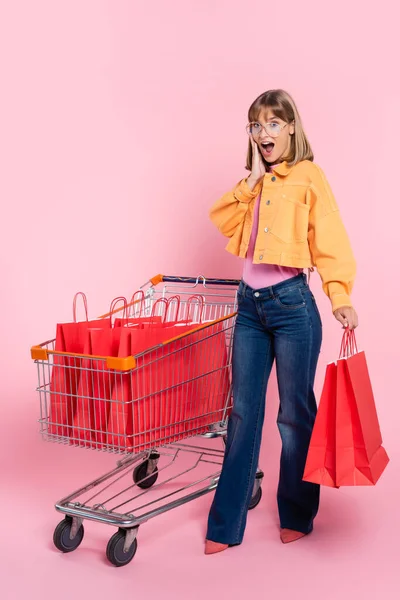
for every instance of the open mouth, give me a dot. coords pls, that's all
(267, 147)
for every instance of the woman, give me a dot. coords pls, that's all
(281, 220)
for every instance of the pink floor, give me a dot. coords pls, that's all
(352, 553)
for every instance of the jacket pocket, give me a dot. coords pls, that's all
(291, 221)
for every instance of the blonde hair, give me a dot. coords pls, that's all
(284, 107)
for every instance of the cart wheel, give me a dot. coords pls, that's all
(115, 549)
(141, 473)
(61, 537)
(255, 501)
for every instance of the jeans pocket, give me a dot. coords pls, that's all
(290, 299)
(240, 297)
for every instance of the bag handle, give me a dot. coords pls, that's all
(178, 305)
(200, 300)
(141, 301)
(344, 347)
(159, 301)
(167, 304)
(349, 344)
(83, 296)
(124, 304)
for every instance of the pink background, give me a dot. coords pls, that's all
(121, 123)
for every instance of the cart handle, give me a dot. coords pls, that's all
(195, 280)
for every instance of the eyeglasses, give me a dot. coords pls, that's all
(271, 129)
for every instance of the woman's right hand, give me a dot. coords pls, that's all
(258, 169)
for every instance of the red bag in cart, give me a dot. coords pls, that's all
(175, 389)
(119, 423)
(199, 369)
(321, 458)
(70, 338)
(97, 381)
(196, 379)
(161, 384)
(131, 412)
(360, 456)
(96, 384)
(201, 400)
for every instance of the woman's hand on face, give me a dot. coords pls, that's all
(258, 169)
(347, 316)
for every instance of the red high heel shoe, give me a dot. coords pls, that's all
(214, 547)
(290, 535)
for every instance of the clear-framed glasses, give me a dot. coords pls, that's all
(271, 129)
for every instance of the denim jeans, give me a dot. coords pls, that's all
(281, 323)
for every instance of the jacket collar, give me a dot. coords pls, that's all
(283, 169)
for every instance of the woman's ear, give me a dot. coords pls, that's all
(291, 128)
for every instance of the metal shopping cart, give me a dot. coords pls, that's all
(172, 395)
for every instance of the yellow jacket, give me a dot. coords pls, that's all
(299, 226)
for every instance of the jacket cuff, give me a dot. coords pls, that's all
(243, 193)
(340, 300)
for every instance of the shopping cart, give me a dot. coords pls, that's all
(147, 480)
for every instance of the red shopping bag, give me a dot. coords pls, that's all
(96, 382)
(209, 384)
(70, 338)
(157, 390)
(83, 419)
(96, 385)
(200, 372)
(135, 407)
(160, 383)
(360, 456)
(321, 458)
(183, 387)
(134, 340)
(179, 387)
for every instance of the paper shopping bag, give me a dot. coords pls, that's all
(118, 417)
(150, 404)
(185, 386)
(134, 418)
(360, 456)
(96, 385)
(70, 338)
(321, 458)
(202, 368)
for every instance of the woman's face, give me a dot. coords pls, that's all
(273, 136)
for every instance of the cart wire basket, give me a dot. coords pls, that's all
(158, 408)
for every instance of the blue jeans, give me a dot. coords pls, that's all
(280, 322)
